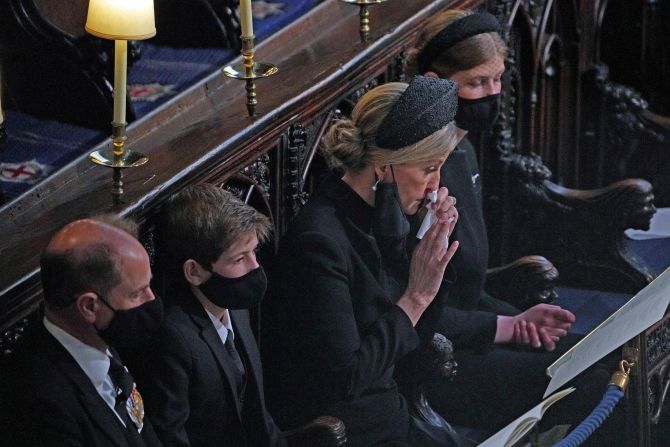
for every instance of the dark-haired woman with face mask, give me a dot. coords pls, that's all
(502, 352)
(349, 298)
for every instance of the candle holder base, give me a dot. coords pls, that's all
(128, 159)
(249, 72)
(118, 161)
(258, 70)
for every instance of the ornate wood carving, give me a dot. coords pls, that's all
(586, 227)
(11, 338)
(525, 282)
(397, 70)
(523, 205)
(658, 367)
(295, 143)
(629, 140)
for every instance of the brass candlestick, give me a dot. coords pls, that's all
(118, 159)
(120, 22)
(364, 15)
(249, 70)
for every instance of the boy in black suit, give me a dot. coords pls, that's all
(204, 380)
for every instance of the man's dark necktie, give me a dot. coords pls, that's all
(123, 381)
(239, 365)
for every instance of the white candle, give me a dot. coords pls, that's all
(120, 70)
(246, 18)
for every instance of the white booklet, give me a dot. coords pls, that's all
(518, 428)
(647, 307)
(634, 317)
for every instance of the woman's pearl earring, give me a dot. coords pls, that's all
(374, 187)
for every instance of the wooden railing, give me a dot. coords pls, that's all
(205, 134)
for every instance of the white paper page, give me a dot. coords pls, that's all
(642, 311)
(534, 414)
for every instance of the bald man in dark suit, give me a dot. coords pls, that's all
(67, 386)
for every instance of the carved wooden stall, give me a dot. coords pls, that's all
(541, 117)
(558, 102)
(628, 74)
(204, 135)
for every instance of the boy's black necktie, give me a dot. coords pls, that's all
(239, 365)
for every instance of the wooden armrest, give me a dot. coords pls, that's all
(581, 231)
(661, 120)
(324, 431)
(585, 237)
(624, 204)
(523, 283)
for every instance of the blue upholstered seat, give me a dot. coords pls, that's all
(652, 247)
(35, 148)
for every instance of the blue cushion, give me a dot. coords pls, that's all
(163, 72)
(591, 307)
(35, 148)
(272, 15)
(654, 252)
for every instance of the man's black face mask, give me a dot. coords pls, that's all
(131, 328)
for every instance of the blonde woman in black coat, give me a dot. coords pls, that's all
(348, 297)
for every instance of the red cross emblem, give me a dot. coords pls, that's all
(150, 92)
(23, 172)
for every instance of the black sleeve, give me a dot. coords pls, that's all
(166, 390)
(467, 329)
(49, 424)
(317, 283)
(497, 306)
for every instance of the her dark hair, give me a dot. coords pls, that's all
(464, 55)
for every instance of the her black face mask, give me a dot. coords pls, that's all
(244, 292)
(390, 226)
(131, 328)
(389, 221)
(477, 115)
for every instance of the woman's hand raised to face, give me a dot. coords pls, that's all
(426, 270)
(445, 206)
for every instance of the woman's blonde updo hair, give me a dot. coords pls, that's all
(350, 145)
(464, 55)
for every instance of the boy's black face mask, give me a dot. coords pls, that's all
(244, 292)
